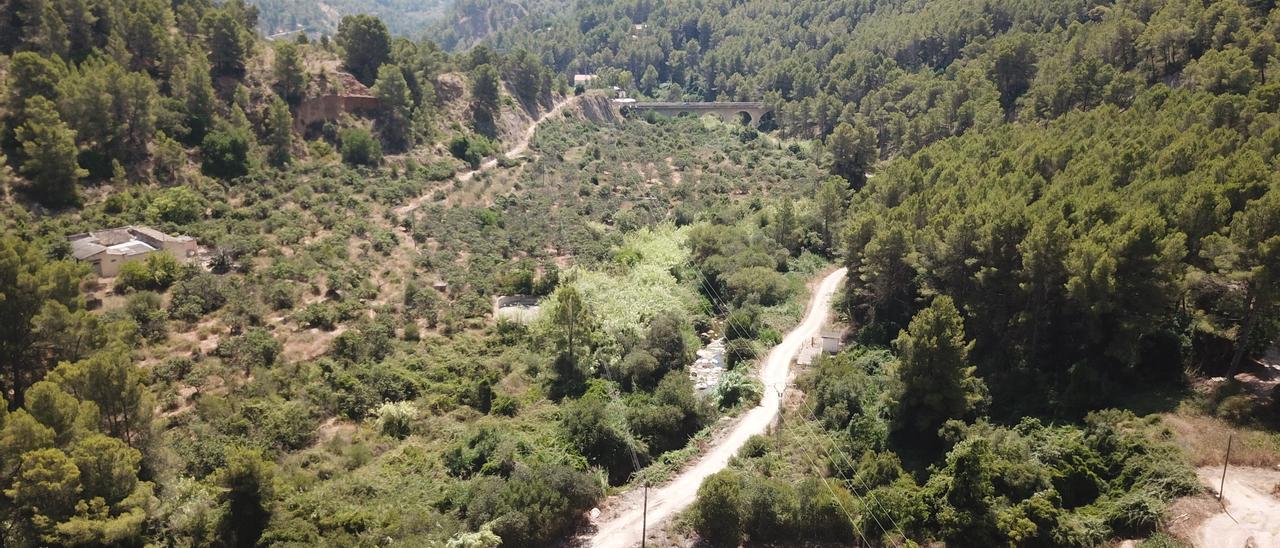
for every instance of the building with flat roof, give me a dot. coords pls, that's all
(108, 250)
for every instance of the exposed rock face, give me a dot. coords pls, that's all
(450, 87)
(597, 108)
(331, 107)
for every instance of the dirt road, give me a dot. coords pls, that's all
(1252, 517)
(622, 529)
(517, 150)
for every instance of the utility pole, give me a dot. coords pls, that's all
(778, 429)
(644, 516)
(1225, 462)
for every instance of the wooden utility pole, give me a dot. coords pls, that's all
(778, 447)
(644, 516)
(1225, 462)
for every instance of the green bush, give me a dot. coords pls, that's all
(178, 205)
(718, 512)
(225, 153)
(437, 171)
(156, 272)
(505, 405)
(1236, 408)
(769, 509)
(738, 352)
(145, 309)
(321, 315)
(737, 388)
(197, 296)
(254, 349)
(359, 147)
(395, 418)
(472, 149)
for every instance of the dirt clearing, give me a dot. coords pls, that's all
(1249, 515)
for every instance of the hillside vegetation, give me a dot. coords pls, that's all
(328, 370)
(1061, 221)
(1076, 200)
(407, 18)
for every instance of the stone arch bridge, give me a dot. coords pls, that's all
(728, 111)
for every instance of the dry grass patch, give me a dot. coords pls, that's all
(1204, 440)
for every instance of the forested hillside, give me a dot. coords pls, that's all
(406, 18)
(1076, 200)
(1061, 222)
(330, 368)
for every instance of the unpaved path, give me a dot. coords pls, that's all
(1252, 516)
(622, 530)
(517, 150)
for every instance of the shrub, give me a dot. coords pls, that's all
(717, 514)
(1237, 408)
(769, 509)
(288, 426)
(255, 348)
(279, 296)
(196, 296)
(225, 153)
(537, 504)
(742, 323)
(437, 171)
(505, 405)
(173, 369)
(321, 315)
(736, 388)
(144, 308)
(739, 351)
(178, 205)
(359, 148)
(472, 149)
(757, 284)
(156, 272)
(395, 418)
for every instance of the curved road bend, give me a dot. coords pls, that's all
(623, 529)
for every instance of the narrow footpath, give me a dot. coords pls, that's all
(517, 150)
(622, 529)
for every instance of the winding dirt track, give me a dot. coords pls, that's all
(622, 530)
(517, 150)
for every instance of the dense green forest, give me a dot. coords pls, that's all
(1060, 219)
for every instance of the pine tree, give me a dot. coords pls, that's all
(194, 87)
(935, 380)
(853, 149)
(279, 133)
(395, 120)
(832, 200)
(291, 78)
(366, 45)
(248, 482)
(649, 80)
(49, 155)
(1252, 256)
(485, 89)
(227, 41)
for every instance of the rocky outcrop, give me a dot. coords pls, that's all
(597, 108)
(331, 107)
